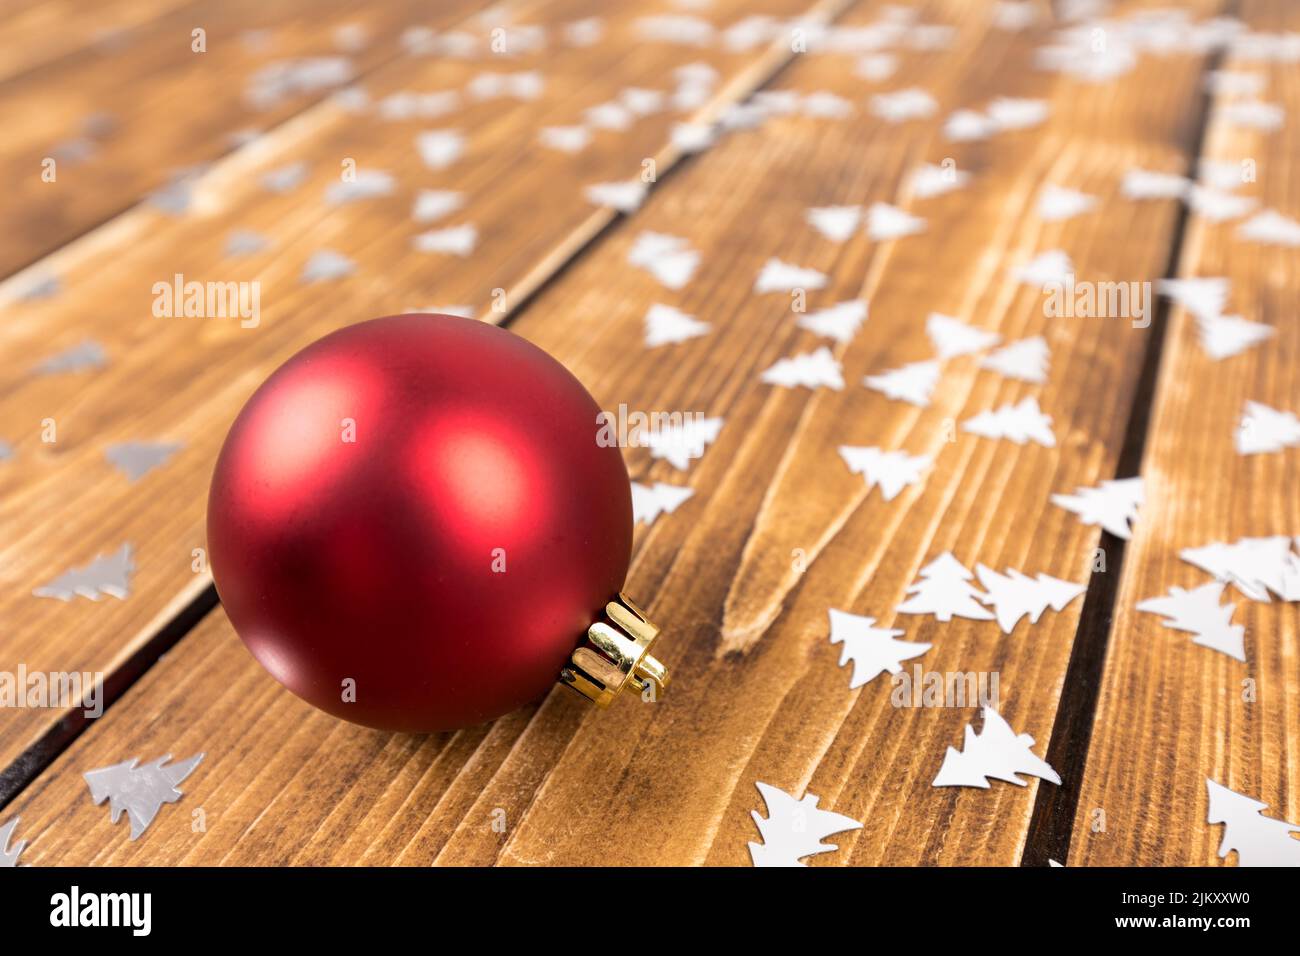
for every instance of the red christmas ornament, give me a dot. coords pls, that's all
(413, 526)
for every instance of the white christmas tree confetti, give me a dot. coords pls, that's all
(996, 753)
(1056, 203)
(455, 240)
(326, 265)
(889, 222)
(964, 126)
(524, 85)
(284, 179)
(836, 223)
(1046, 268)
(1112, 504)
(140, 791)
(1147, 184)
(668, 258)
(912, 383)
(624, 196)
(1200, 296)
(10, 851)
(1216, 205)
(1012, 114)
(84, 355)
(1255, 566)
(1025, 360)
(651, 501)
(902, 105)
(873, 650)
(566, 139)
(1020, 423)
(665, 325)
(1263, 429)
(1015, 595)
(1223, 336)
(693, 137)
(1258, 840)
(439, 148)
(778, 276)
(107, 574)
(680, 444)
(952, 337)
(612, 117)
(944, 590)
(434, 204)
(1253, 114)
(1270, 227)
(1199, 612)
(890, 471)
(930, 180)
(245, 242)
(368, 184)
(137, 459)
(839, 322)
(808, 369)
(793, 829)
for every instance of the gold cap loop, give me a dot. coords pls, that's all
(616, 654)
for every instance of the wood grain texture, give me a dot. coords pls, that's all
(758, 694)
(168, 109)
(1173, 714)
(182, 380)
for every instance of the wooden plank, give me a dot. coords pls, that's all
(758, 695)
(38, 31)
(182, 380)
(1173, 714)
(168, 109)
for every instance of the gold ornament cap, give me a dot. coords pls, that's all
(616, 655)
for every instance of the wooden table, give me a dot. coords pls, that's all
(1131, 714)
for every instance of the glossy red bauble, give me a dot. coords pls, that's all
(412, 523)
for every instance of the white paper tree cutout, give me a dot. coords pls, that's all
(326, 265)
(997, 752)
(1223, 336)
(1025, 360)
(1008, 113)
(1198, 612)
(778, 276)
(680, 444)
(9, 852)
(440, 148)
(455, 240)
(1056, 203)
(1020, 423)
(137, 459)
(902, 105)
(108, 574)
(665, 325)
(1112, 504)
(139, 790)
(794, 829)
(1258, 840)
(368, 184)
(566, 139)
(944, 590)
(625, 196)
(84, 355)
(952, 337)
(1217, 206)
(668, 258)
(872, 649)
(930, 180)
(1046, 268)
(245, 242)
(889, 222)
(836, 223)
(433, 204)
(912, 383)
(1255, 566)
(808, 369)
(1263, 429)
(651, 501)
(964, 126)
(1148, 184)
(1015, 595)
(1270, 227)
(890, 471)
(1201, 296)
(839, 322)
